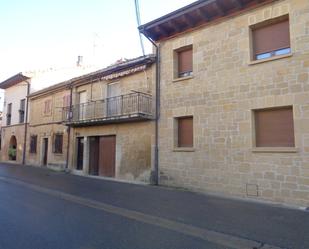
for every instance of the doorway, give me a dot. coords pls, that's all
(94, 155)
(82, 98)
(102, 156)
(80, 153)
(107, 156)
(12, 149)
(113, 101)
(45, 151)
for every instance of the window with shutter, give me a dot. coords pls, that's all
(274, 127)
(9, 114)
(66, 100)
(47, 107)
(22, 111)
(185, 131)
(33, 143)
(184, 57)
(271, 38)
(58, 140)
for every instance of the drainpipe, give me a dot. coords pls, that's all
(69, 130)
(26, 127)
(154, 178)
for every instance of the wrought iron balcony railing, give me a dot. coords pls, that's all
(129, 107)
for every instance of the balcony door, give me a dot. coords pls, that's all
(113, 99)
(82, 97)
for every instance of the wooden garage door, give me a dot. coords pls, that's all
(94, 155)
(107, 156)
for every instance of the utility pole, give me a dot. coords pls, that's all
(138, 19)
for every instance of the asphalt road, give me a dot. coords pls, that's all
(32, 220)
(133, 216)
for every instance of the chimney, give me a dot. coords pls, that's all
(79, 62)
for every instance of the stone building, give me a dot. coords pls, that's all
(234, 116)
(14, 131)
(111, 121)
(47, 137)
(98, 124)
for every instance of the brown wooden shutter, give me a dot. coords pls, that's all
(58, 143)
(33, 143)
(9, 111)
(185, 132)
(272, 37)
(185, 61)
(274, 127)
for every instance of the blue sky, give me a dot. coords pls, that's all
(37, 34)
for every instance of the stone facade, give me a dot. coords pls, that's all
(133, 148)
(45, 125)
(225, 88)
(134, 140)
(7, 132)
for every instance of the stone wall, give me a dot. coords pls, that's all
(133, 147)
(7, 133)
(134, 140)
(224, 89)
(37, 105)
(54, 160)
(46, 125)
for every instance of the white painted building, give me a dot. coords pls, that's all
(15, 109)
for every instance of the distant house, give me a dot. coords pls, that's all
(15, 111)
(14, 121)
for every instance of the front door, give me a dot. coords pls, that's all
(107, 156)
(93, 155)
(80, 153)
(45, 151)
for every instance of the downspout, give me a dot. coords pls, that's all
(154, 178)
(69, 130)
(26, 127)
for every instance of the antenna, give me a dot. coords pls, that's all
(138, 19)
(95, 37)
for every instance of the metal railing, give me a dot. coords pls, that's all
(137, 103)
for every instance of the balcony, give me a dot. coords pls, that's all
(135, 106)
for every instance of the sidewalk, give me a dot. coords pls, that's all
(282, 227)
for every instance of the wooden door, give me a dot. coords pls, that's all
(80, 153)
(94, 155)
(45, 150)
(107, 156)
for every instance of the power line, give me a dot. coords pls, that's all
(138, 19)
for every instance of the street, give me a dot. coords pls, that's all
(40, 208)
(32, 220)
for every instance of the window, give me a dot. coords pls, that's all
(58, 139)
(33, 143)
(185, 132)
(271, 38)
(274, 127)
(66, 100)
(9, 114)
(47, 107)
(22, 111)
(184, 62)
